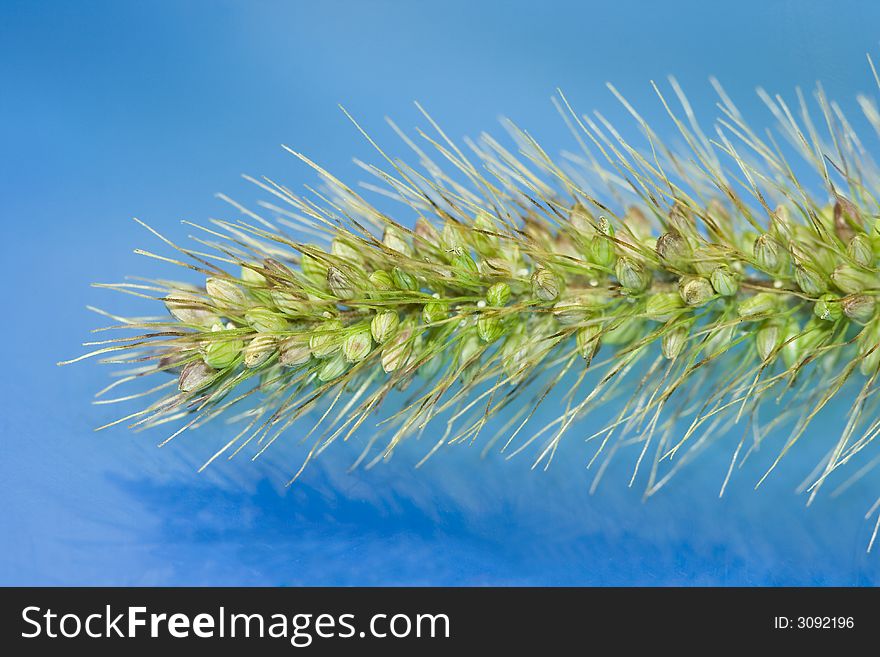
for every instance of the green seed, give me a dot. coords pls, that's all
(719, 339)
(343, 248)
(434, 362)
(695, 291)
(724, 282)
(623, 332)
(860, 250)
(195, 376)
(545, 285)
(382, 281)
(396, 352)
(768, 253)
(571, 311)
(760, 304)
(404, 280)
(434, 312)
(466, 269)
(357, 345)
(332, 368)
(252, 277)
(854, 279)
(632, 275)
(340, 283)
(451, 237)
(484, 224)
(809, 280)
(396, 240)
(673, 248)
(602, 251)
(287, 302)
(859, 307)
(868, 336)
(264, 320)
(225, 294)
(587, 339)
(800, 344)
(294, 351)
(489, 329)
(781, 225)
(313, 269)
(828, 307)
(326, 339)
(259, 350)
(469, 348)
(663, 306)
(498, 295)
(673, 341)
(384, 325)
(681, 219)
(514, 354)
(220, 353)
(767, 339)
(278, 270)
(189, 308)
(870, 362)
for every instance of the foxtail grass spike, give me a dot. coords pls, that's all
(702, 287)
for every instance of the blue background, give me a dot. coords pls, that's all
(110, 110)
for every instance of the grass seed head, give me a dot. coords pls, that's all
(712, 299)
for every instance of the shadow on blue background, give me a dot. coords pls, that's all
(110, 110)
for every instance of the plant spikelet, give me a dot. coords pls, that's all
(700, 286)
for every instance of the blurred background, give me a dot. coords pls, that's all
(110, 110)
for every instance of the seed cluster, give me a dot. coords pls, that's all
(700, 302)
(420, 299)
